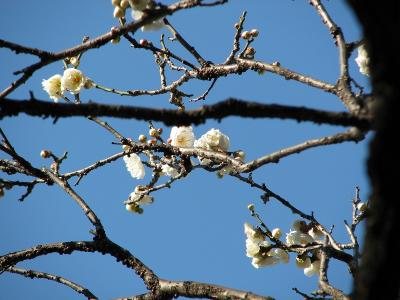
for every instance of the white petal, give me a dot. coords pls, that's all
(134, 165)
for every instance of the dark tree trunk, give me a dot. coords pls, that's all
(379, 277)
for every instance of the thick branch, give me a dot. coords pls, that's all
(35, 274)
(103, 246)
(191, 289)
(218, 111)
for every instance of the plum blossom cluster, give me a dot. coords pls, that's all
(263, 253)
(260, 250)
(363, 60)
(72, 80)
(138, 7)
(171, 165)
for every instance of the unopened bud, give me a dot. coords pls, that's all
(119, 12)
(74, 61)
(53, 167)
(153, 132)
(159, 131)
(246, 35)
(362, 206)
(152, 142)
(115, 2)
(45, 153)
(124, 4)
(236, 25)
(276, 64)
(277, 233)
(142, 138)
(250, 51)
(88, 83)
(116, 40)
(254, 32)
(144, 42)
(134, 208)
(169, 141)
(250, 207)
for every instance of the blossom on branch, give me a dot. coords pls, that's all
(313, 268)
(182, 137)
(362, 60)
(73, 80)
(257, 248)
(52, 86)
(213, 140)
(134, 165)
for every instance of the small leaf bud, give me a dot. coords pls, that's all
(45, 153)
(142, 138)
(246, 35)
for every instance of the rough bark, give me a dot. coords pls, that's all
(380, 22)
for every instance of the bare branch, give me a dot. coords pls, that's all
(236, 39)
(104, 246)
(218, 111)
(99, 233)
(352, 134)
(191, 289)
(26, 50)
(36, 274)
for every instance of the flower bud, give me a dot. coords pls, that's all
(115, 2)
(142, 138)
(119, 12)
(116, 40)
(45, 153)
(152, 142)
(160, 131)
(277, 233)
(144, 42)
(250, 51)
(250, 207)
(153, 132)
(74, 61)
(246, 35)
(236, 25)
(362, 206)
(254, 32)
(134, 208)
(124, 4)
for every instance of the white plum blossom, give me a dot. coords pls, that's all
(140, 198)
(363, 60)
(281, 254)
(264, 260)
(153, 26)
(169, 171)
(316, 234)
(303, 262)
(313, 268)
(255, 249)
(182, 137)
(73, 80)
(134, 165)
(139, 4)
(295, 237)
(52, 86)
(213, 140)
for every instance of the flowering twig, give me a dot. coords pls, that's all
(56, 278)
(236, 39)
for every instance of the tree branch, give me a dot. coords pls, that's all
(191, 289)
(218, 111)
(35, 274)
(352, 134)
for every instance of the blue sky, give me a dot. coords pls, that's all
(193, 231)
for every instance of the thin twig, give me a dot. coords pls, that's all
(236, 39)
(350, 135)
(36, 274)
(204, 95)
(99, 233)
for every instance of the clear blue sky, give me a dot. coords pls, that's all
(193, 231)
